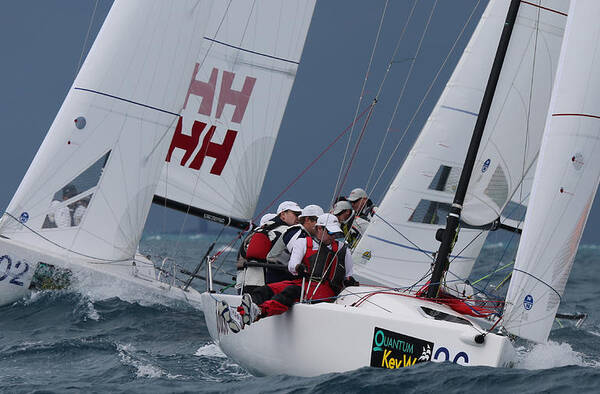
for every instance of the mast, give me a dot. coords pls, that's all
(448, 236)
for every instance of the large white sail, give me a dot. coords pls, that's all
(218, 158)
(565, 182)
(398, 245)
(90, 185)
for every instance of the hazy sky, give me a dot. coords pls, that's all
(42, 41)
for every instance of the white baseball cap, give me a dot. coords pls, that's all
(311, 210)
(266, 217)
(331, 223)
(357, 194)
(288, 206)
(341, 206)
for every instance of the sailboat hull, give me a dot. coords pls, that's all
(387, 331)
(131, 280)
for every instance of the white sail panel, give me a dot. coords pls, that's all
(565, 183)
(90, 185)
(515, 124)
(397, 248)
(429, 176)
(234, 106)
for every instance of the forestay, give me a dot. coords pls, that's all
(398, 246)
(565, 183)
(90, 185)
(234, 105)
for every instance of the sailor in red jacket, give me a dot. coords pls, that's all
(324, 262)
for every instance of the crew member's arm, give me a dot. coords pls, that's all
(348, 263)
(298, 252)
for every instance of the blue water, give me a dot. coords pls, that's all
(76, 341)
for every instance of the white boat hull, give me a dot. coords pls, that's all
(130, 280)
(388, 331)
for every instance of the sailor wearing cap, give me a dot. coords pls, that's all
(344, 213)
(265, 237)
(280, 252)
(363, 213)
(361, 203)
(324, 261)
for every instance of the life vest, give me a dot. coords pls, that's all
(263, 239)
(324, 269)
(279, 253)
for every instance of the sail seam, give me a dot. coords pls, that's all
(250, 51)
(127, 100)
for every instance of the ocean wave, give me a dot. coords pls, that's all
(549, 355)
(143, 368)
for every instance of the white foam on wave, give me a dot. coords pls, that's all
(210, 350)
(143, 369)
(550, 355)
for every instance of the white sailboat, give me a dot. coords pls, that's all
(392, 328)
(185, 81)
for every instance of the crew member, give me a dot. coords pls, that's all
(344, 213)
(364, 210)
(281, 250)
(263, 240)
(249, 278)
(326, 265)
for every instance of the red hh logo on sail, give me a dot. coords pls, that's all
(227, 95)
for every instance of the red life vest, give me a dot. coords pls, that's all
(325, 270)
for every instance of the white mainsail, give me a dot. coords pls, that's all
(90, 185)
(398, 245)
(565, 183)
(218, 158)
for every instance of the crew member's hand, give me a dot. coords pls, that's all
(301, 271)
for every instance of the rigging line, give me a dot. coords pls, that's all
(423, 99)
(541, 281)
(199, 66)
(63, 247)
(406, 79)
(85, 41)
(335, 190)
(513, 234)
(493, 272)
(383, 82)
(403, 236)
(360, 137)
(537, 29)
(312, 163)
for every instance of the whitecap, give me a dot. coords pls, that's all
(549, 355)
(210, 350)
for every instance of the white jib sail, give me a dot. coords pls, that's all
(565, 182)
(90, 185)
(234, 105)
(398, 245)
